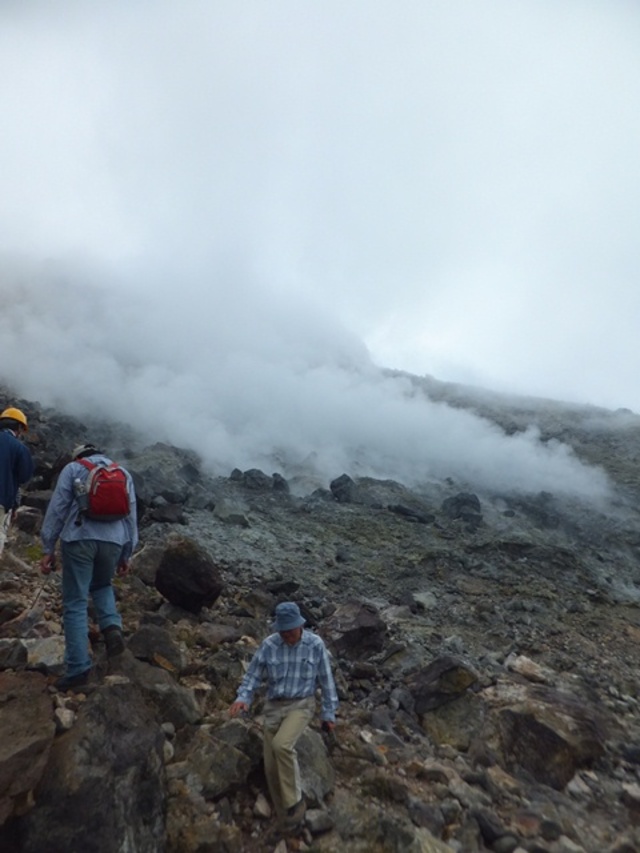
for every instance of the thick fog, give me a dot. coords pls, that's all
(218, 219)
(253, 380)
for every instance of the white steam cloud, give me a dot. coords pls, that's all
(251, 380)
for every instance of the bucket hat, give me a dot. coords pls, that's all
(288, 616)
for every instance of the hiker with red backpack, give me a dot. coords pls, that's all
(93, 513)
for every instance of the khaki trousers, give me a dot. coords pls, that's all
(5, 519)
(284, 722)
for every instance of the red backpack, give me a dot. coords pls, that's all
(107, 496)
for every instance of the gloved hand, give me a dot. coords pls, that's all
(327, 726)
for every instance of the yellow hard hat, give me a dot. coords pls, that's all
(15, 415)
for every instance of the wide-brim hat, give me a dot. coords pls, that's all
(288, 616)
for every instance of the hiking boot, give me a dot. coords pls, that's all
(113, 641)
(72, 682)
(294, 816)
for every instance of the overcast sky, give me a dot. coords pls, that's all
(296, 189)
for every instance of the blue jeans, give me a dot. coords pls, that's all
(88, 567)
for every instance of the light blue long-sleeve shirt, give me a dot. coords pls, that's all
(61, 517)
(292, 672)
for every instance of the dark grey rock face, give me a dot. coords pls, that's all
(103, 787)
(28, 730)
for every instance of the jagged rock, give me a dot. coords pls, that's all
(13, 654)
(412, 514)
(455, 723)
(529, 669)
(64, 719)
(187, 576)
(318, 821)
(465, 506)
(427, 815)
(191, 828)
(214, 767)
(231, 512)
(631, 798)
(355, 630)
(27, 727)
(145, 562)
(82, 807)
(280, 484)
(168, 514)
(28, 519)
(286, 588)
(151, 642)
(549, 733)
(23, 624)
(256, 603)
(243, 736)
(256, 479)
(224, 670)
(48, 651)
(37, 501)
(214, 635)
(344, 489)
(425, 600)
(317, 775)
(443, 680)
(171, 701)
(9, 610)
(262, 808)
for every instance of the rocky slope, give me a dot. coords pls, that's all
(485, 649)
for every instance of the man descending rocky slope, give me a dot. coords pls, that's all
(485, 651)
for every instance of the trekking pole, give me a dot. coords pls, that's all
(38, 593)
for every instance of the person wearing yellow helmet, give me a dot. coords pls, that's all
(16, 465)
(17, 416)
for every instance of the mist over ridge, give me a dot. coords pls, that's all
(249, 378)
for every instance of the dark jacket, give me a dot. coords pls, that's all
(16, 468)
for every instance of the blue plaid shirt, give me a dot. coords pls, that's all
(292, 672)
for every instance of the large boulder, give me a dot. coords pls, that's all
(103, 788)
(464, 506)
(355, 630)
(443, 680)
(187, 576)
(317, 775)
(549, 733)
(28, 729)
(154, 644)
(215, 766)
(344, 489)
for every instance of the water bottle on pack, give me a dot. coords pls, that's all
(80, 492)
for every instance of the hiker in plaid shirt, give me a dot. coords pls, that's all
(293, 662)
